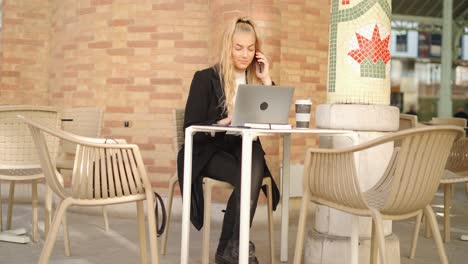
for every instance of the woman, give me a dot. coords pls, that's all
(210, 101)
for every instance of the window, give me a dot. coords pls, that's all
(402, 41)
(436, 44)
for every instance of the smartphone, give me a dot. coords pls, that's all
(258, 64)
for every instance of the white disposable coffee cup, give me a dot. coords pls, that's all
(303, 108)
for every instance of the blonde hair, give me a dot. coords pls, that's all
(225, 66)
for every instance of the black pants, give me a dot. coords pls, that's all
(225, 166)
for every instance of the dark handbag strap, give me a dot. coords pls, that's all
(159, 200)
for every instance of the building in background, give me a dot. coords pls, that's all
(416, 71)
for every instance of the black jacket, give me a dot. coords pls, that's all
(204, 108)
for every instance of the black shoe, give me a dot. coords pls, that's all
(231, 254)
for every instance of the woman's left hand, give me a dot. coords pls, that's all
(262, 68)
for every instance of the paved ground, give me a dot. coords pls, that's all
(92, 244)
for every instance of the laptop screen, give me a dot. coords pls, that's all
(262, 104)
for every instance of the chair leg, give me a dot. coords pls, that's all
(430, 216)
(141, 231)
(427, 227)
(66, 236)
(301, 229)
(377, 219)
(152, 228)
(35, 229)
(206, 224)
(172, 183)
(415, 235)
(106, 218)
(50, 241)
(373, 247)
(11, 198)
(1, 209)
(270, 221)
(447, 198)
(47, 211)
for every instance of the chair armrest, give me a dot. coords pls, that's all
(331, 177)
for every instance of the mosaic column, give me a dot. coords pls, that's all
(358, 99)
(359, 55)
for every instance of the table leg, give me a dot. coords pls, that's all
(245, 197)
(285, 197)
(186, 196)
(355, 240)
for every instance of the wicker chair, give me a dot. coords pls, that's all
(103, 174)
(209, 184)
(18, 159)
(83, 121)
(405, 190)
(454, 121)
(408, 121)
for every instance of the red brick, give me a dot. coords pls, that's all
(84, 38)
(101, 2)
(321, 87)
(293, 57)
(166, 96)
(119, 109)
(120, 22)
(167, 36)
(312, 11)
(191, 44)
(166, 81)
(314, 67)
(113, 123)
(85, 11)
(310, 79)
(161, 110)
(191, 59)
(69, 88)
(119, 80)
(134, 29)
(148, 161)
(146, 146)
(160, 169)
(57, 95)
(160, 140)
(32, 15)
(10, 74)
(100, 45)
(81, 67)
(70, 74)
(84, 94)
(121, 52)
(140, 88)
(69, 47)
(31, 42)
(12, 21)
(142, 44)
(169, 6)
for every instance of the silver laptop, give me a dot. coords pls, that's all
(262, 104)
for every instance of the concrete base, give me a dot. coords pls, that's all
(322, 249)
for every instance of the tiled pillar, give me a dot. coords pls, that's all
(359, 55)
(358, 96)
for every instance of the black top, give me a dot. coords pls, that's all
(204, 107)
(461, 114)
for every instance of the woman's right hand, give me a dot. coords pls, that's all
(224, 122)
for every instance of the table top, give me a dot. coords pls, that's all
(269, 131)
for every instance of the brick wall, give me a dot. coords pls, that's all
(24, 48)
(136, 60)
